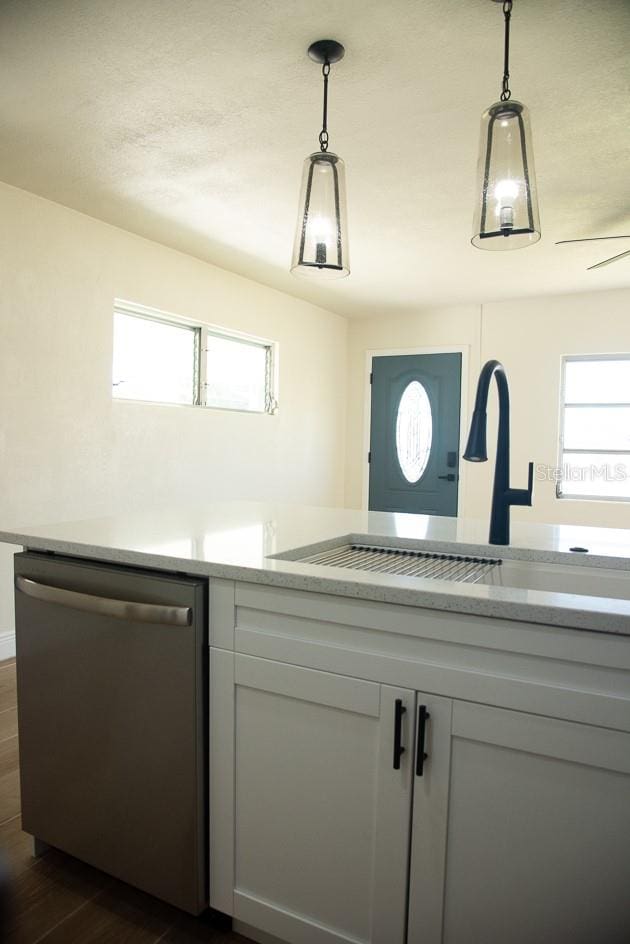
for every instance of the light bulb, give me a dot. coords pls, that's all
(320, 229)
(322, 233)
(506, 192)
(506, 217)
(506, 188)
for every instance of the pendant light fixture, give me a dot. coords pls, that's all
(507, 214)
(321, 241)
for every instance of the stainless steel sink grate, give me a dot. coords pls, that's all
(394, 560)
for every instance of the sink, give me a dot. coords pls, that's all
(560, 578)
(400, 561)
(422, 562)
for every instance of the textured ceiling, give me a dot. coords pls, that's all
(187, 122)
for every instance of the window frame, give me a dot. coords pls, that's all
(570, 496)
(202, 331)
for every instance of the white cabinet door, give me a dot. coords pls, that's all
(321, 814)
(431, 772)
(535, 846)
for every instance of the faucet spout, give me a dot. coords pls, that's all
(503, 496)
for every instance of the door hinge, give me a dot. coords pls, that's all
(371, 378)
(369, 457)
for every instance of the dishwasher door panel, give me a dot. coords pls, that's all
(111, 715)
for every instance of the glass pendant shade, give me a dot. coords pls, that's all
(321, 240)
(507, 215)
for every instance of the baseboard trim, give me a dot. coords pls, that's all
(279, 924)
(7, 646)
(260, 937)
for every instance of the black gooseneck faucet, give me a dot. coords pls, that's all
(476, 451)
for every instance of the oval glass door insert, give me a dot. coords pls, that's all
(414, 431)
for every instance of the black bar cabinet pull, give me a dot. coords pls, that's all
(399, 750)
(423, 717)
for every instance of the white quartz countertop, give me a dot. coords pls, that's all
(238, 540)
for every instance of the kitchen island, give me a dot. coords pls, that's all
(396, 758)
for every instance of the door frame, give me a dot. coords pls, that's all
(464, 350)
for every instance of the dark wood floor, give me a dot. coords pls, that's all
(57, 900)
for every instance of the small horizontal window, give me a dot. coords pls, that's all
(153, 360)
(595, 428)
(237, 374)
(165, 360)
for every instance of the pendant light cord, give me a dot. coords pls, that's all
(323, 134)
(505, 87)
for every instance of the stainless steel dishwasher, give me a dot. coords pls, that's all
(112, 696)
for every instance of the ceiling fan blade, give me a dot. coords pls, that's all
(589, 239)
(621, 255)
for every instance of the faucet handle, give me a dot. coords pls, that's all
(523, 496)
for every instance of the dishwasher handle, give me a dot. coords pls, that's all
(104, 606)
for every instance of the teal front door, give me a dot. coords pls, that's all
(414, 433)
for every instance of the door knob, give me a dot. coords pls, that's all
(448, 478)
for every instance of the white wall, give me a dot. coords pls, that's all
(529, 337)
(68, 451)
